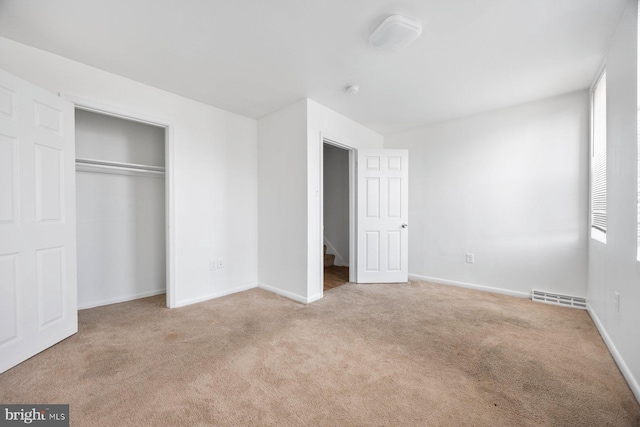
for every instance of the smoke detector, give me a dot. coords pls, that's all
(395, 33)
(353, 89)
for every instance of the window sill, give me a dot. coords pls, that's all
(598, 235)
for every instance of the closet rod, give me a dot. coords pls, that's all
(121, 165)
(119, 168)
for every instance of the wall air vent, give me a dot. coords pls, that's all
(557, 299)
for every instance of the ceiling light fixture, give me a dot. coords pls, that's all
(395, 33)
(353, 89)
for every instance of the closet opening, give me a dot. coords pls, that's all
(121, 208)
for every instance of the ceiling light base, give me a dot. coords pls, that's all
(395, 33)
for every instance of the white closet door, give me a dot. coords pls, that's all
(37, 221)
(383, 192)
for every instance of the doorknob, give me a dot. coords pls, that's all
(405, 225)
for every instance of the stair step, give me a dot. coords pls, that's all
(329, 260)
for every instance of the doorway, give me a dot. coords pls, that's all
(336, 214)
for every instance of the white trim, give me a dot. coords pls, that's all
(321, 213)
(121, 299)
(601, 71)
(598, 235)
(214, 295)
(471, 286)
(167, 124)
(113, 111)
(290, 295)
(626, 372)
(170, 212)
(314, 298)
(326, 138)
(353, 217)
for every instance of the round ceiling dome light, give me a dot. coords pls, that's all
(353, 89)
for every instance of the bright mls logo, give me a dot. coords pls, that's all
(34, 415)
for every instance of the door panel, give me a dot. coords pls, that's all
(373, 251)
(9, 300)
(49, 182)
(382, 216)
(8, 179)
(373, 197)
(37, 220)
(51, 272)
(394, 243)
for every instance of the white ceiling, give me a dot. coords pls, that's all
(253, 57)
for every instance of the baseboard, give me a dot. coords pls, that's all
(471, 286)
(290, 295)
(626, 372)
(314, 298)
(214, 295)
(121, 299)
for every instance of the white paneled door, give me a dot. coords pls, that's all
(38, 299)
(382, 216)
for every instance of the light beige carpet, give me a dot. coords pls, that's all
(395, 355)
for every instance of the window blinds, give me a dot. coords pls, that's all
(599, 156)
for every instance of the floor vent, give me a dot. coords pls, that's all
(557, 299)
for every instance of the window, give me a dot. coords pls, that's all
(599, 159)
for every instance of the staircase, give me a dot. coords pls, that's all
(328, 258)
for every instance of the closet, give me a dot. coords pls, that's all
(120, 206)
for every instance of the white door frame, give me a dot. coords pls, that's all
(109, 110)
(326, 139)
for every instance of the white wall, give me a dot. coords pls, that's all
(120, 221)
(613, 267)
(324, 123)
(289, 151)
(336, 202)
(99, 136)
(214, 170)
(509, 186)
(282, 207)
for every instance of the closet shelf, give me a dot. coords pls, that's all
(119, 168)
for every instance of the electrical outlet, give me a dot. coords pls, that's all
(213, 265)
(617, 298)
(471, 258)
(220, 263)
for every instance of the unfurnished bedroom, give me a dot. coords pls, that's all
(296, 213)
